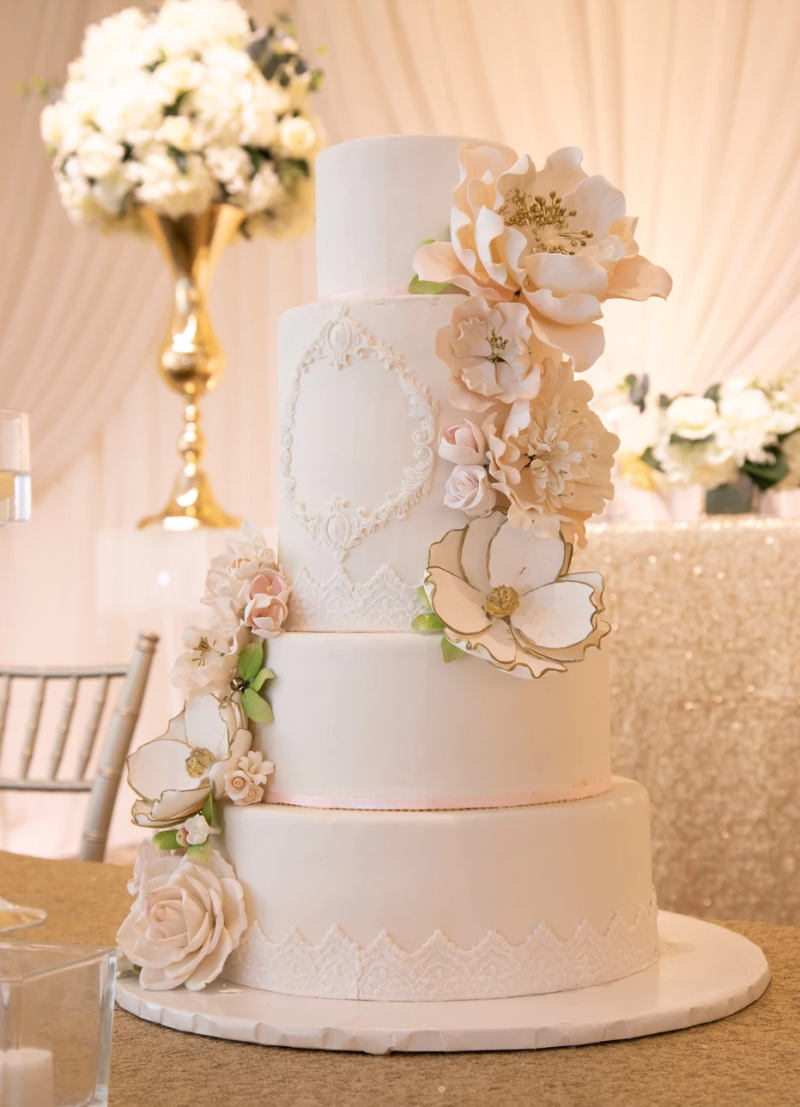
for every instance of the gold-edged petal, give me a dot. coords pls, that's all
(205, 726)
(159, 765)
(446, 553)
(496, 643)
(457, 603)
(522, 560)
(475, 546)
(555, 616)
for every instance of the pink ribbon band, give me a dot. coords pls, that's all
(441, 803)
(367, 294)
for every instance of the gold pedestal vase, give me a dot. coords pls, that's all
(192, 361)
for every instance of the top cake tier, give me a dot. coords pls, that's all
(377, 200)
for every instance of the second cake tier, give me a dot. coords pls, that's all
(378, 721)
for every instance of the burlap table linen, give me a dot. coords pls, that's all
(751, 1059)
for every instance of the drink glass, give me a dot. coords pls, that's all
(15, 507)
(15, 475)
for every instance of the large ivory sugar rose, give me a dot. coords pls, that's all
(492, 353)
(554, 237)
(504, 594)
(208, 663)
(552, 458)
(173, 775)
(186, 919)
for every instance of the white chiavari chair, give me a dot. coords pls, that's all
(102, 784)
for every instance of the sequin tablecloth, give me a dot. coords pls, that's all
(705, 676)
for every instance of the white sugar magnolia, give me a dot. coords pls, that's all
(554, 238)
(506, 595)
(176, 773)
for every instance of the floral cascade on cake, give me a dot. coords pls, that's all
(181, 108)
(538, 251)
(188, 913)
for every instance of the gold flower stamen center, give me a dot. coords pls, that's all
(199, 762)
(502, 601)
(546, 218)
(497, 344)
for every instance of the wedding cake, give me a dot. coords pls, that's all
(424, 807)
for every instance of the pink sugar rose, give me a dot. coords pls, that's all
(463, 444)
(268, 605)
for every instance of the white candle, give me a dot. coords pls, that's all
(26, 1078)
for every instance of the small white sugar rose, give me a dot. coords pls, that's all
(463, 444)
(196, 831)
(256, 767)
(241, 789)
(468, 490)
(177, 131)
(184, 923)
(267, 608)
(296, 136)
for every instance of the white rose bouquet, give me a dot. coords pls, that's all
(184, 107)
(738, 427)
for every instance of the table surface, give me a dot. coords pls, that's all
(751, 1059)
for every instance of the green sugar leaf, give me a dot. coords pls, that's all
(451, 652)
(258, 680)
(423, 596)
(426, 288)
(166, 839)
(250, 660)
(255, 707)
(427, 623)
(199, 853)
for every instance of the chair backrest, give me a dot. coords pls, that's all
(104, 784)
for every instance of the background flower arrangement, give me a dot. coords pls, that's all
(738, 428)
(185, 107)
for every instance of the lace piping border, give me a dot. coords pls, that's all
(339, 968)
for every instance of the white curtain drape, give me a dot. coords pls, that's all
(692, 107)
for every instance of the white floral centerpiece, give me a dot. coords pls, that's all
(538, 252)
(740, 429)
(188, 912)
(181, 108)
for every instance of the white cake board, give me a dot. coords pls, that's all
(704, 973)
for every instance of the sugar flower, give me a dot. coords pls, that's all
(245, 784)
(208, 663)
(554, 238)
(552, 458)
(505, 594)
(492, 353)
(185, 921)
(173, 775)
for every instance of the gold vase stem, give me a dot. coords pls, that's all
(192, 361)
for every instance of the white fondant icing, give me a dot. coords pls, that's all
(341, 524)
(380, 718)
(382, 603)
(350, 434)
(563, 884)
(493, 969)
(377, 199)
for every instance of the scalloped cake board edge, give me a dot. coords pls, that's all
(704, 973)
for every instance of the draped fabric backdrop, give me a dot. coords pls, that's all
(692, 107)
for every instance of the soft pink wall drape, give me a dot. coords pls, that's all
(691, 106)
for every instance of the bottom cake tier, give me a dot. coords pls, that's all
(410, 905)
